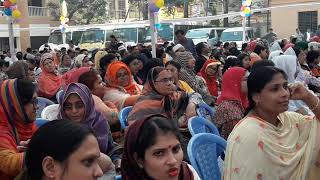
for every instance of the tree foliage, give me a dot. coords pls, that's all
(81, 11)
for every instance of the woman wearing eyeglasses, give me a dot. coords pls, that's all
(121, 91)
(78, 105)
(18, 101)
(161, 97)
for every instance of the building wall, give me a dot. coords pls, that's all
(285, 21)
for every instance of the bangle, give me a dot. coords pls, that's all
(318, 101)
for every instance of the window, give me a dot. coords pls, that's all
(308, 20)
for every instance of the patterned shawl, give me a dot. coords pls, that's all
(14, 127)
(186, 74)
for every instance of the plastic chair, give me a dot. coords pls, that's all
(50, 112)
(118, 177)
(39, 122)
(42, 103)
(204, 109)
(198, 125)
(123, 114)
(204, 150)
(59, 96)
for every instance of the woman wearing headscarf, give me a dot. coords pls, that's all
(121, 91)
(270, 142)
(49, 81)
(290, 66)
(275, 50)
(77, 105)
(233, 101)
(18, 113)
(211, 71)
(304, 74)
(82, 60)
(65, 64)
(187, 74)
(144, 136)
(162, 98)
(98, 56)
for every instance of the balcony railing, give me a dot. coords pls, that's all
(33, 11)
(38, 11)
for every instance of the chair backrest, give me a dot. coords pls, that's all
(59, 96)
(198, 125)
(204, 150)
(50, 112)
(42, 103)
(204, 110)
(39, 122)
(123, 114)
(118, 177)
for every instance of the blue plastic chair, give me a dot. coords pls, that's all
(118, 177)
(204, 150)
(204, 110)
(39, 122)
(198, 125)
(42, 103)
(59, 96)
(123, 114)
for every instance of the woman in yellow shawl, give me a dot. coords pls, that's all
(271, 143)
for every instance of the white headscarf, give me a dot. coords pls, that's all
(288, 64)
(275, 47)
(274, 54)
(290, 51)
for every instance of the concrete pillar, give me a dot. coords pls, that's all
(24, 35)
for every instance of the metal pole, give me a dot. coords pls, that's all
(152, 19)
(11, 38)
(244, 29)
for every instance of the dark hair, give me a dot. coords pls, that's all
(234, 51)
(179, 31)
(241, 57)
(200, 46)
(244, 46)
(230, 62)
(88, 78)
(226, 44)
(259, 48)
(62, 57)
(127, 60)
(175, 64)
(106, 60)
(83, 50)
(146, 52)
(29, 50)
(312, 56)
(159, 52)
(154, 126)
(258, 79)
(261, 63)
(19, 55)
(57, 139)
(70, 51)
(297, 51)
(32, 61)
(77, 49)
(26, 89)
